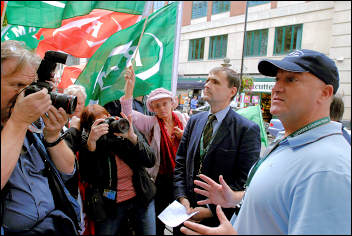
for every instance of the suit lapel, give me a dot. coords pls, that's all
(198, 128)
(222, 132)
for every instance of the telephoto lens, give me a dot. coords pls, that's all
(67, 102)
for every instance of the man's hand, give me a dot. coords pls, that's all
(184, 201)
(28, 109)
(130, 135)
(203, 213)
(54, 122)
(97, 130)
(218, 194)
(130, 80)
(225, 227)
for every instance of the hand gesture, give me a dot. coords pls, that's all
(97, 130)
(130, 135)
(130, 80)
(225, 227)
(178, 132)
(54, 120)
(28, 109)
(218, 194)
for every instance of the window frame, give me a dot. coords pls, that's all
(192, 49)
(215, 4)
(212, 49)
(262, 34)
(298, 42)
(203, 12)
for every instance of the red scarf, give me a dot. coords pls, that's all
(168, 148)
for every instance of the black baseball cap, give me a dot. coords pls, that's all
(304, 60)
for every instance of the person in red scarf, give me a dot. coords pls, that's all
(163, 131)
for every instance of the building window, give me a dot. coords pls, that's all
(196, 49)
(218, 46)
(287, 39)
(157, 5)
(199, 9)
(220, 6)
(255, 3)
(256, 43)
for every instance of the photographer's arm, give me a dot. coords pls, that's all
(26, 110)
(61, 154)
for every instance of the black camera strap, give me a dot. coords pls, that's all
(60, 198)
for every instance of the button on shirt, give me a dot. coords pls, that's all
(29, 198)
(303, 187)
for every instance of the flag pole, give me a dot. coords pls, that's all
(145, 13)
(3, 15)
(176, 49)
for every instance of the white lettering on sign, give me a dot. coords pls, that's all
(263, 86)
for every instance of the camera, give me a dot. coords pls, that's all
(45, 73)
(117, 125)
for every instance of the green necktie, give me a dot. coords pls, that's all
(208, 131)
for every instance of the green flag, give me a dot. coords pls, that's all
(49, 14)
(103, 76)
(20, 33)
(254, 114)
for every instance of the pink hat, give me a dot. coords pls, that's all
(157, 94)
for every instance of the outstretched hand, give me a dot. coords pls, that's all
(218, 194)
(130, 80)
(225, 227)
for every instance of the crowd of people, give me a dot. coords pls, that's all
(113, 169)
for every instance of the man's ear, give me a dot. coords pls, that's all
(234, 91)
(327, 92)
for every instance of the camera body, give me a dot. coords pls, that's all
(117, 125)
(45, 73)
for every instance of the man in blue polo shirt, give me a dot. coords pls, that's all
(302, 183)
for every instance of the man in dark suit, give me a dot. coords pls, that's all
(215, 142)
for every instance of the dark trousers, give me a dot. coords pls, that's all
(127, 212)
(164, 196)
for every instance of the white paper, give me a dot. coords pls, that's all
(175, 214)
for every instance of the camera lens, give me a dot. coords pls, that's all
(119, 126)
(67, 102)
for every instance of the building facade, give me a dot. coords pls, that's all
(214, 30)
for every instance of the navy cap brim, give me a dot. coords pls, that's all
(269, 67)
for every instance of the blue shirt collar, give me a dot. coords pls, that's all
(314, 134)
(220, 115)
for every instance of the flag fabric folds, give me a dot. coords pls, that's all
(20, 33)
(69, 76)
(103, 77)
(254, 113)
(50, 14)
(81, 36)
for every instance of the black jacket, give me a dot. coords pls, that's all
(99, 168)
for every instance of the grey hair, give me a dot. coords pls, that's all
(74, 88)
(11, 49)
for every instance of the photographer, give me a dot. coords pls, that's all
(27, 202)
(113, 164)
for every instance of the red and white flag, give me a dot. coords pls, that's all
(69, 76)
(81, 36)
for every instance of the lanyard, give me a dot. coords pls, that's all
(277, 143)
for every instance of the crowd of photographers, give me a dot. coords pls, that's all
(67, 168)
